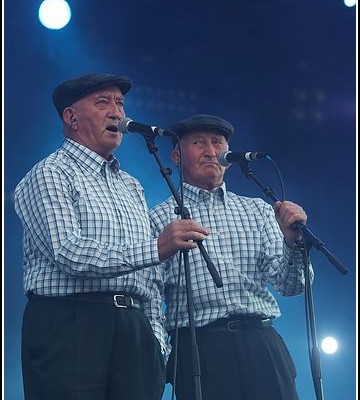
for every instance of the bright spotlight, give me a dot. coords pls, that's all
(350, 3)
(329, 345)
(54, 14)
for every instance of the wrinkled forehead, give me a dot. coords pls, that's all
(204, 134)
(109, 93)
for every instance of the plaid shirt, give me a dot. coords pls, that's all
(87, 229)
(248, 250)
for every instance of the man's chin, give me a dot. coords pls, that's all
(209, 182)
(113, 133)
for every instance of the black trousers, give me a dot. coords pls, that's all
(242, 364)
(83, 351)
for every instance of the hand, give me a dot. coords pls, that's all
(287, 213)
(179, 235)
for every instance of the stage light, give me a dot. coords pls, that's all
(350, 3)
(54, 14)
(329, 345)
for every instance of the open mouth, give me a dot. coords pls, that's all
(112, 128)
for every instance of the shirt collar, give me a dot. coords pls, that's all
(196, 194)
(89, 158)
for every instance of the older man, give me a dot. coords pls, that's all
(92, 328)
(252, 245)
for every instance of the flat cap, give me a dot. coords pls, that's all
(72, 90)
(203, 122)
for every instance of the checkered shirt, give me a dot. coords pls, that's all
(248, 250)
(86, 229)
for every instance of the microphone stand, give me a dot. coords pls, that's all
(308, 236)
(308, 240)
(183, 211)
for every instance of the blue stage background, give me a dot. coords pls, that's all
(283, 72)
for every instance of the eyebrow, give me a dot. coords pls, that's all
(108, 95)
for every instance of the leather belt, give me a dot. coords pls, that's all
(234, 324)
(118, 300)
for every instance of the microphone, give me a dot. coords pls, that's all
(226, 158)
(127, 125)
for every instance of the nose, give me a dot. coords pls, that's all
(210, 150)
(115, 111)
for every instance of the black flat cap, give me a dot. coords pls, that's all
(70, 91)
(203, 122)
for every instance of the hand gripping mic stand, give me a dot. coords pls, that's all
(184, 213)
(308, 240)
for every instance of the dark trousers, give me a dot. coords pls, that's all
(244, 364)
(82, 351)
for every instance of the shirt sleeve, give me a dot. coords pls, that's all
(285, 266)
(45, 203)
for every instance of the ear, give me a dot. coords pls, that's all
(69, 116)
(175, 156)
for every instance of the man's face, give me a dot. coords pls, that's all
(98, 115)
(200, 152)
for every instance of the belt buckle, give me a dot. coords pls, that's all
(116, 296)
(237, 324)
(231, 326)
